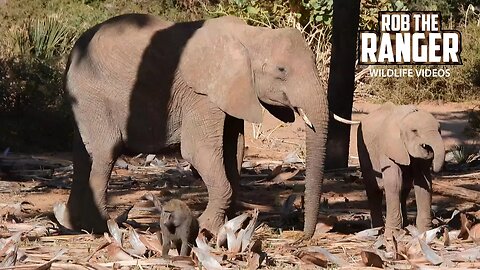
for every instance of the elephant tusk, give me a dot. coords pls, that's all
(345, 121)
(305, 118)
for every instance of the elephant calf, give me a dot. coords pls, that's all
(397, 145)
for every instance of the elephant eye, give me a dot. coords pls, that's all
(282, 73)
(415, 131)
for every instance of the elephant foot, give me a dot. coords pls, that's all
(79, 220)
(211, 221)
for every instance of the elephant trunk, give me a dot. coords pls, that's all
(436, 143)
(316, 108)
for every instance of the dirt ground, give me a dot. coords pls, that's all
(274, 143)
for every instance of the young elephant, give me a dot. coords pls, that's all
(140, 84)
(397, 145)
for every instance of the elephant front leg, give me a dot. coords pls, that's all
(209, 162)
(392, 176)
(202, 146)
(423, 195)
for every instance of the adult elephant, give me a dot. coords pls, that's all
(139, 84)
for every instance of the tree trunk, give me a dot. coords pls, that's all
(341, 80)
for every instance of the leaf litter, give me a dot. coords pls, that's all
(245, 242)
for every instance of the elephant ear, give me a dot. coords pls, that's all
(393, 142)
(218, 65)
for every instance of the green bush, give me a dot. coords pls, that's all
(33, 110)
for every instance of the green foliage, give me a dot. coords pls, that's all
(370, 8)
(256, 12)
(321, 11)
(33, 111)
(42, 39)
(452, 10)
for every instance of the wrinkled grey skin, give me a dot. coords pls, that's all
(397, 146)
(142, 85)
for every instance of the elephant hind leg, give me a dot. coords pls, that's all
(375, 198)
(93, 163)
(407, 187)
(234, 144)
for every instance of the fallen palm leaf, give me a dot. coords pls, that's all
(59, 210)
(154, 199)
(115, 231)
(234, 244)
(334, 259)
(429, 254)
(100, 247)
(414, 232)
(313, 258)
(370, 258)
(276, 171)
(206, 259)
(247, 236)
(48, 264)
(413, 249)
(284, 176)
(138, 248)
(115, 251)
(149, 159)
(234, 225)
(36, 229)
(430, 235)
(202, 244)
(183, 262)
(10, 243)
(11, 257)
(369, 234)
(151, 242)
